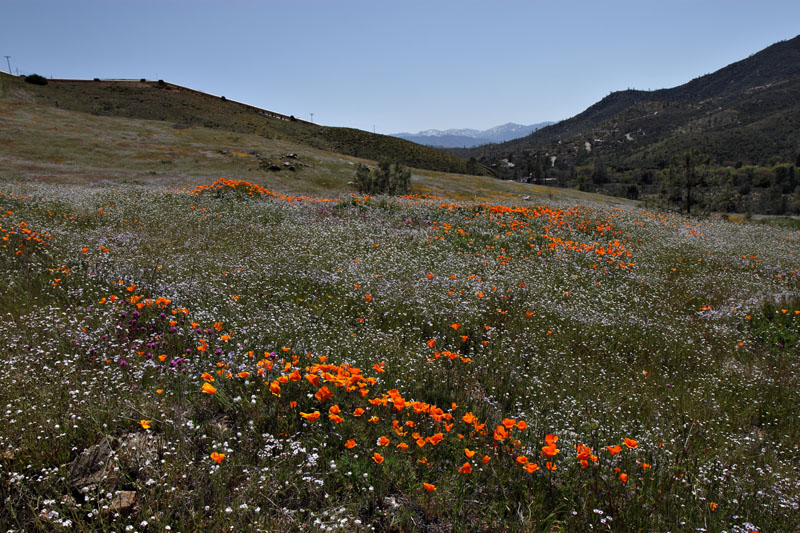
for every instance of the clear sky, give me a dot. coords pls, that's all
(404, 65)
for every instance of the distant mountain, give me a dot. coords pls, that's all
(747, 113)
(468, 138)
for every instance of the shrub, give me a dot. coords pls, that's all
(386, 179)
(36, 79)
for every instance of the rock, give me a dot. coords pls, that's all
(103, 464)
(292, 156)
(123, 502)
(91, 467)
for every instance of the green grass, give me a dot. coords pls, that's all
(530, 312)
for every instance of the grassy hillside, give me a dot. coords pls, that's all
(43, 143)
(185, 107)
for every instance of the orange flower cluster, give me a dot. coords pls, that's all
(248, 189)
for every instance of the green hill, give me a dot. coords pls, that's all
(746, 114)
(181, 106)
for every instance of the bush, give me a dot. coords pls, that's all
(35, 79)
(385, 180)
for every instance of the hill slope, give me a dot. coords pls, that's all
(745, 113)
(186, 107)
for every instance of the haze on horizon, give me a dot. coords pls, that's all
(395, 66)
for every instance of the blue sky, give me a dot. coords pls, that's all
(395, 65)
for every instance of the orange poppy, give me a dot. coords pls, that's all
(550, 450)
(217, 457)
(350, 444)
(466, 468)
(631, 444)
(208, 388)
(428, 487)
(378, 458)
(614, 450)
(311, 417)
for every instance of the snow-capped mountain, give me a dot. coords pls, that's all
(467, 138)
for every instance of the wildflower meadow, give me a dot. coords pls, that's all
(224, 357)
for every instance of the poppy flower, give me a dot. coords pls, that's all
(614, 450)
(383, 441)
(145, 424)
(311, 417)
(469, 418)
(428, 487)
(531, 468)
(350, 444)
(358, 412)
(486, 459)
(521, 460)
(469, 453)
(378, 458)
(436, 439)
(550, 450)
(217, 457)
(323, 394)
(550, 439)
(402, 446)
(631, 444)
(623, 477)
(500, 433)
(521, 425)
(551, 466)
(466, 468)
(208, 388)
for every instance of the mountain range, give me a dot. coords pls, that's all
(747, 113)
(468, 138)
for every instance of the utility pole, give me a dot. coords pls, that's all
(8, 60)
(312, 117)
